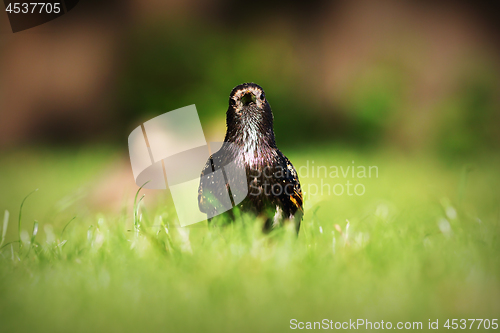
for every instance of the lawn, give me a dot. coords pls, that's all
(421, 243)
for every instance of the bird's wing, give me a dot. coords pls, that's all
(293, 193)
(212, 192)
(205, 179)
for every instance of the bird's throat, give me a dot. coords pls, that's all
(252, 135)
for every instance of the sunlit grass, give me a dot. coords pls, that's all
(421, 243)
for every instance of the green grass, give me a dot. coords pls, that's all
(423, 243)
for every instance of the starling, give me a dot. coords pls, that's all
(274, 191)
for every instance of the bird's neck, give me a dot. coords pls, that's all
(252, 138)
(251, 134)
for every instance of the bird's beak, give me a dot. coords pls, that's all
(248, 98)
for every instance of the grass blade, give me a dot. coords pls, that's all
(136, 221)
(35, 231)
(33, 235)
(20, 213)
(9, 243)
(62, 233)
(5, 224)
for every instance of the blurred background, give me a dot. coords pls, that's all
(417, 77)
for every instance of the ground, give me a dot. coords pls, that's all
(421, 243)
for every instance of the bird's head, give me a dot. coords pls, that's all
(248, 106)
(249, 114)
(249, 117)
(248, 97)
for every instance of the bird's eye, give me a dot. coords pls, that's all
(262, 96)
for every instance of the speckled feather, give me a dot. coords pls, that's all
(250, 143)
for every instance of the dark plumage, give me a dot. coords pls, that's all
(273, 185)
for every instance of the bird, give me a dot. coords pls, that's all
(270, 181)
